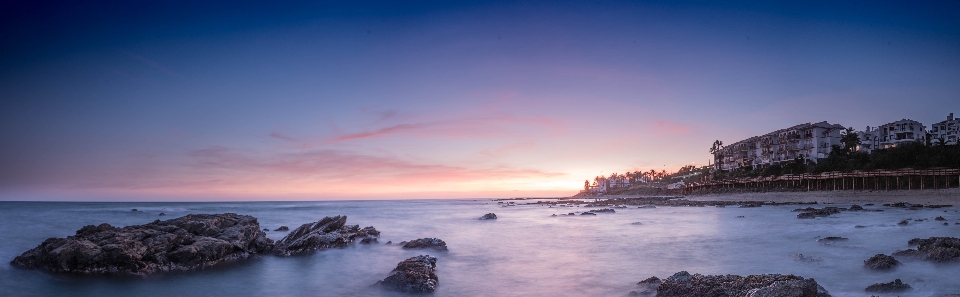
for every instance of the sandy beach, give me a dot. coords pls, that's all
(939, 196)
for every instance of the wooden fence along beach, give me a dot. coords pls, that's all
(878, 180)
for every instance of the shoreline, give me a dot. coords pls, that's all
(928, 197)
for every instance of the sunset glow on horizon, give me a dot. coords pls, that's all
(383, 100)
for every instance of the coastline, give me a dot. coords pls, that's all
(937, 196)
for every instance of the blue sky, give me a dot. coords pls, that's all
(355, 100)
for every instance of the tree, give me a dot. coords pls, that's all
(850, 140)
(586, 185)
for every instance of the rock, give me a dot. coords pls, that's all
(880, 262)
(636, 223)
(683, 284)
(740, 217)
(894, 286)
(903, 223)
(607, 210)
(587, 213)
(940, 218)
(856, 207)
(647, 286)
(266, 230)
(937, 249)
(389, 242)
(329, 232)
(414, 275)
(946, 224)
(752, 204)
(423, 243)
(814, 213)
(651, 281)
(832, 239)
(489, 216)
(282, 228)
(134, 209)
(571, 214)
(190, 242)
(162, 214)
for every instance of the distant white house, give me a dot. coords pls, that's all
(946, 130)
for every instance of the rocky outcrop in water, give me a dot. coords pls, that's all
(880, 262)
(937, 249)
(894, 286)
(329, 232)
(606, 210)
(810, 212)
(190, 242)
(282, 228)
(414, 275)
(424, 243)
(489, 216)
(683, 284)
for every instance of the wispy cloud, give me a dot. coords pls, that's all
(666, 127)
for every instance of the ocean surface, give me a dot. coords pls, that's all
(525, 252)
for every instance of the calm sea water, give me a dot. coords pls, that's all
(525, 252)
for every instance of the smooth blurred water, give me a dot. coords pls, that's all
(525, 252)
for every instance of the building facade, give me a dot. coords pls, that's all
(945, 131)
(810, 142)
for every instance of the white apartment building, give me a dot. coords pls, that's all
(809, 141)
(946, 130)
(902, 131)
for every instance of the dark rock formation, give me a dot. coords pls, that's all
(751, 204)
(266, 230)
(190, 242)
(811, 212)
(423, 243)
(647, 287)
(856, 207)
(938, 249)
(162, 214)
(940, 218)
(607, 210)
(134, 209)
(329, 232)
(829, 239)
(880, 262)
(894, 286)
(414, 275)
(903, 223)
(282, 228)
(587, 213)
(489, 216)
(683, 284)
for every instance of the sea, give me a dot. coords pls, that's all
(526, 251)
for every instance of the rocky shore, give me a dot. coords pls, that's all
(190, 242)
(414, 275)
(684, 284)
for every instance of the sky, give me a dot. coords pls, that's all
(315, 100)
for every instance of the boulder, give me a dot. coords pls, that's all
(894, 286)
(903, 223)
(282, 228)
(606, 210)
(190, 242)
(684, 284)
(881, 262)
(587, 213)
(414, 275)
(856, 207)
(489, 216)
(162, 214)
(829, 239)
(940, 218)
(329, 232)
(423, 243)
(937, 249)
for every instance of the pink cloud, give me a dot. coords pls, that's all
(665, 127)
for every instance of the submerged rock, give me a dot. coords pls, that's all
(329, 232)
(937, 249)
(187, 243)
(856, 207)
(587, 213)
(829, 239)
(414, 275)
(940, 218)
(903, 223)
(607, 210)
(810, 212)
(894, 286)
(683, 284)
(423, 243)
(282, 228)
(880, 262)
(162, 214)
(489, 216)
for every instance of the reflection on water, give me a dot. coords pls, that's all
(524, 252)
